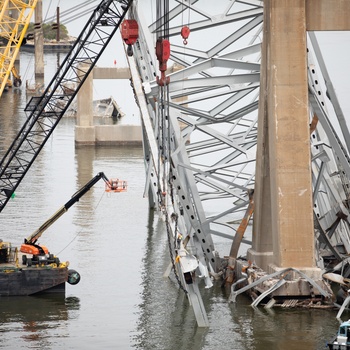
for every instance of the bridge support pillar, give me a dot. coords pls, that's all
(283, 233)
(39, 45)
(84, 129)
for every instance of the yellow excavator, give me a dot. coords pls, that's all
(15, 16)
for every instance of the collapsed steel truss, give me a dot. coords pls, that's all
(200, 138)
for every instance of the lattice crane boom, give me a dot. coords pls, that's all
(15, 16)
(44, 112)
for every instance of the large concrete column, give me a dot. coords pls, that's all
(262, 242)
(283, 233)
(39, 44)
(84, 129)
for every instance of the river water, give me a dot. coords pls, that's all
(119, 247)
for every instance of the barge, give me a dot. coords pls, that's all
(20, 276)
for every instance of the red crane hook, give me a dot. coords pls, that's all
(185, 32)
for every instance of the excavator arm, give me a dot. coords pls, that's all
(44, 112)
(113, 185)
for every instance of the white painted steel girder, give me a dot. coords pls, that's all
(212, 123)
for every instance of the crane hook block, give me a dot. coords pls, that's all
(162, 53)
(116, 185)
(130, 31)
(185, 32)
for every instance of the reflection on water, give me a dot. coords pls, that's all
(29, 309)
(11, 117)
(32, 319)
(164, 311)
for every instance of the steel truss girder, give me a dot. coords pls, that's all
(330, 161)
(44, 112)
(221, 77)
(212, 126)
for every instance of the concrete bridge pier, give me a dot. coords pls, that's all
(86, 133)
(283, 221)
(283, 231)
(84, 129)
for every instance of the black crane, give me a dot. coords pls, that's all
(44, 112)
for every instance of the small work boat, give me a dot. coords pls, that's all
(342, 340)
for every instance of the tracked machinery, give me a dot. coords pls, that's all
(15, 16)
(43, 115)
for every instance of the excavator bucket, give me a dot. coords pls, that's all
(116, 185)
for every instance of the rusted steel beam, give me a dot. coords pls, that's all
(242, 227)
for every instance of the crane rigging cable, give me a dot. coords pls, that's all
(162, 10)
(82, 228)
(163, 54)
(74, 13)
